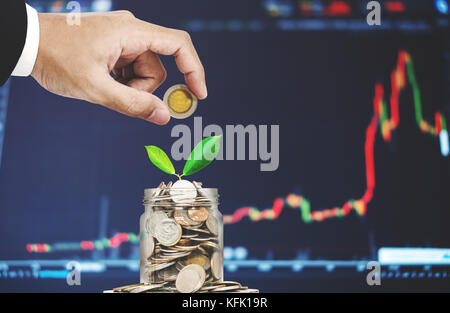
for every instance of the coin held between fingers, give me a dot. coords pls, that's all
(181, 102)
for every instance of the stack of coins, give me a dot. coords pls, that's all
(214, 287)
(181, 243)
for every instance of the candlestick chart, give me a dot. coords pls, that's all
(382, 122)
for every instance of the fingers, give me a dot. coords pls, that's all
(130, 101)
(149, 72)
(179, 44)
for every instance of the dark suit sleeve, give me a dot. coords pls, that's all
(13, 31)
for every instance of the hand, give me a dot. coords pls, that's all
(77, 61)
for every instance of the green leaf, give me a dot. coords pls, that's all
(202, 155)
(160, 159)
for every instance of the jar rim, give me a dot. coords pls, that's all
(209, 197)
(188, 189)
(212, 191)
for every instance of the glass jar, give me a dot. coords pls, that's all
(181, 227)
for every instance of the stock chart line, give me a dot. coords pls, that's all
(403, 72)
(85, 245)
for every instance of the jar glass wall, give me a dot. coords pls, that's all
(181, 227)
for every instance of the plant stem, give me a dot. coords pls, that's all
(179, 176)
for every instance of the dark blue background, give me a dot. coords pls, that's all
(61, 155)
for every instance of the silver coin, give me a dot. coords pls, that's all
(189, 236)
(199, 189)
(183, 191)
(247, 290)
(216, 265)
(144, 288)
(179, 265)
(174, 256)
(200, 239)
(157, 266)
(169, 274)
(212, 224)
(154, 218)
(167, 250)
(193, 227)
(168, 232)
(190, 279)
(167, 189)
(147, 245)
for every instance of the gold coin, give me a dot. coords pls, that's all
(127, 287)
(226, 288)
(184, 242)
(187, 248)
(211, 287)
(210, 244)
(197, 230)
(181, 102)
(229, 282)
(197, 258)
(203, 251)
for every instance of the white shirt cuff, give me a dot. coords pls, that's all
(29, 53)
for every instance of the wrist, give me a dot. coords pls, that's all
(47, 22)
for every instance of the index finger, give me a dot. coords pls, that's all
(178, 43)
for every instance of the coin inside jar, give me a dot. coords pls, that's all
(216, 265)
(213, 225)
(147, 245)
(181, 102)
(180, 228)
(180, 218)
(200, 259)
(168, 232)
(183, 191)
(198, 214)
(154, 219)
(190, 279)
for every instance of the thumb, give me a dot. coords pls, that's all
(131, 101)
